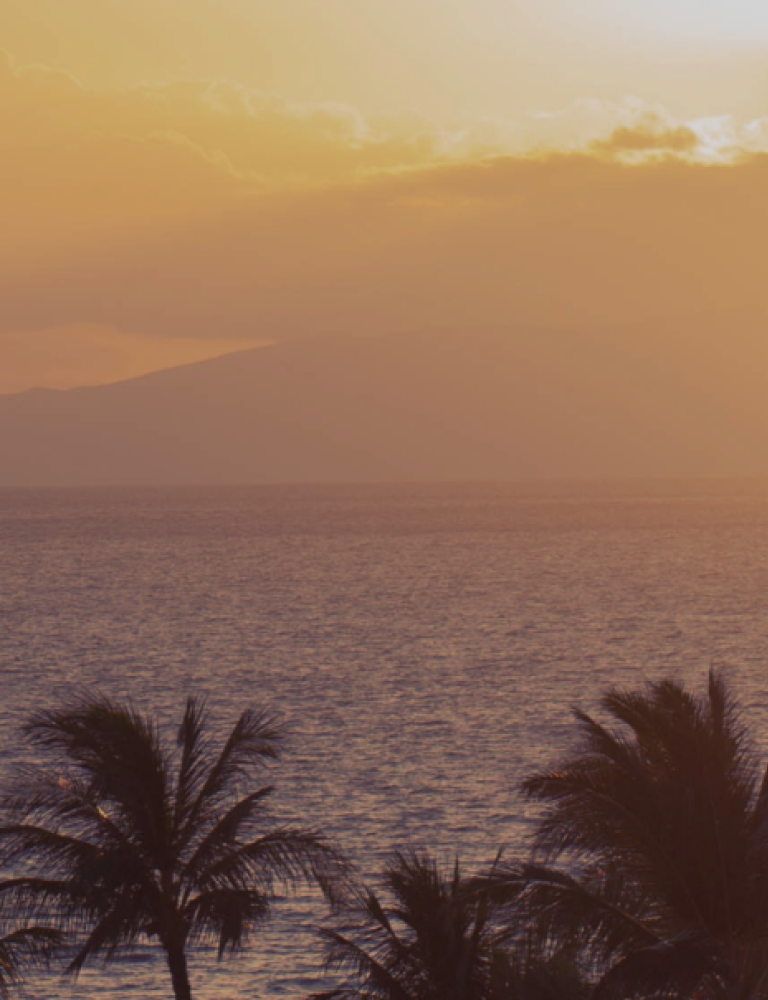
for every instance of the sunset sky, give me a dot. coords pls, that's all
(183, 178)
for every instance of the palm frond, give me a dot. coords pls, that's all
(117, 753)
(526, 974)
(426, 935)
(26, 948)
(54, 851)
(254, 740)
(285, 856)
(598, 914)
(369, 975)
(226, 832)
(118, 927)
(681, 967)
(227, 915)
(194, 764)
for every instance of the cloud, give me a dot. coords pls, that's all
(250, 135)
(648, 139)
(207, 211)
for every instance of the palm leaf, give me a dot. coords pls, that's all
(25, 948)
(254, 739)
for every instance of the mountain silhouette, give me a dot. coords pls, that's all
(490, 405)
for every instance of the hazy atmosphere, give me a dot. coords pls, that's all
(186, 180)
(383, 499)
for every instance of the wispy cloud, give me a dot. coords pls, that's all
(207, 211)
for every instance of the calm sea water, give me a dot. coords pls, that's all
(423, 644)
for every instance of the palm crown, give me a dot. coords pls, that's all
(128, 838)
(660, 827)
(427, 935)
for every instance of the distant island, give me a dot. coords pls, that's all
(491, 405)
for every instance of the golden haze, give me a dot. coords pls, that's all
(155, 216)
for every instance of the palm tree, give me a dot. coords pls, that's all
(128, 838)
(432, 938)
(658, 827)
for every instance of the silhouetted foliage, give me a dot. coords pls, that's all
(649, 877)
(521, 972)
(128, 838)
(658, 826)
(424, 935)
(25, 948)
(431, 935)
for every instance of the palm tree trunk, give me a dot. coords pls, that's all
(177, 963)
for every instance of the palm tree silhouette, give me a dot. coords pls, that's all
(128, 838)
(659, 828)
(431, 938)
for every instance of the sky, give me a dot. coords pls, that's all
(181, 179)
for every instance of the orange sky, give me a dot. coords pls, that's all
(180, 179)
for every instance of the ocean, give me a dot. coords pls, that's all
(424, 646)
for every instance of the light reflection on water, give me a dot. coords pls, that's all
(423, 645)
